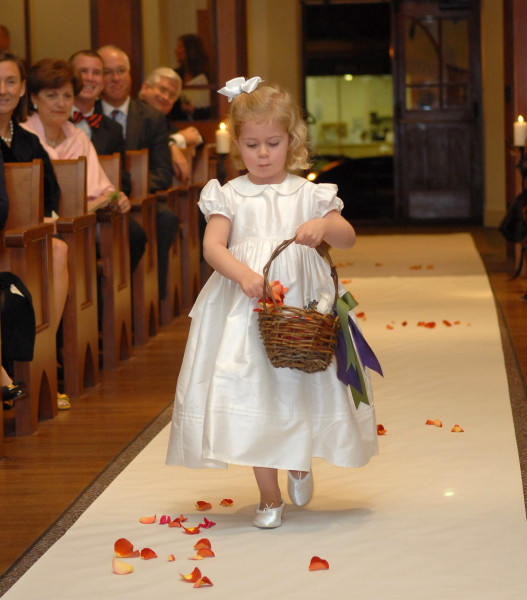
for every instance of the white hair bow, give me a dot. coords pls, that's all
(236, 86)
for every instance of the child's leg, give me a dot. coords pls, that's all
(299, 474)
(267, 480)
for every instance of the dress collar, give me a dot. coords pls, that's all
(244, 186)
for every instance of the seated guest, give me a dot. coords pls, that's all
(161, 89)
(143, 127)
(19, 145)
(105, 134)
(52, 87)
(193, 67)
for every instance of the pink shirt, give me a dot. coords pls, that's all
(76, 144)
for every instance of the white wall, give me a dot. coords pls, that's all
(274, 43)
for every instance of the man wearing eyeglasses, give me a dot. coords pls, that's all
(143, 127)
(161, 89)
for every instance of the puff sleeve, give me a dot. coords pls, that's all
(213, 201)
(326, 199)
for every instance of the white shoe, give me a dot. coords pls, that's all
(300, 490)
(269, 517)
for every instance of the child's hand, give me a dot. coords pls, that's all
(252, 284)
(311, 233)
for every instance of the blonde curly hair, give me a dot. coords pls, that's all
(267, 103)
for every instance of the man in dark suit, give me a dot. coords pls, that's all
(143, 127)
(106, 135)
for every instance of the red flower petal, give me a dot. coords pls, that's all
(121, 568)
(207, 524)
(192, 577)
(203, 581)
(226, 502)
(201, 505)
(203, 543)
(125, 549)
(164, 520)
(381, 430)
(147, 520)
(447, 323)
(318, 564)
(147, 554)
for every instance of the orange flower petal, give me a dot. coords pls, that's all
(389, 326)
(457, 429)
(191, 530)
(318, 564)
(171, 558)
(195, 557)
(147, 554)
(121, 568)
(201, 505)
(125, 549)
(381, 430)
(205, 553)
(226, 502)
(436, 422)
(192, 577)
(147, 520)
(447, 323)
(203, 581)
(203, 543)
(175, 523)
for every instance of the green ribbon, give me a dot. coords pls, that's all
(344, 304)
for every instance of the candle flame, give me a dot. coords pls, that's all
(520, 119)
(224, 126)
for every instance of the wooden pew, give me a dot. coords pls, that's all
(26, 250)
(114, 271)
(80, 318)
(170, 304)
(145, 285)
(184, 201)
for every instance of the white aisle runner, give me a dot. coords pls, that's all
(437, 515)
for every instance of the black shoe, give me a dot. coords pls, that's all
(12, 392)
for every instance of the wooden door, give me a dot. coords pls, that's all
(438, 125)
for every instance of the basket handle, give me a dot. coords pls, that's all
(322, 249)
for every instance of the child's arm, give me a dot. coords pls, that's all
(219, 258)
(331, 228)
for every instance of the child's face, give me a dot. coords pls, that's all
(263, 146)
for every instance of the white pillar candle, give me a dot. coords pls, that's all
(520, 132)
(223, 142)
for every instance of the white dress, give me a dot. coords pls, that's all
(232, 405)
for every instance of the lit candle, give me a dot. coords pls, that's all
(520, 132)
(223, 142)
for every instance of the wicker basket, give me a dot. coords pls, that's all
(298, 338)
